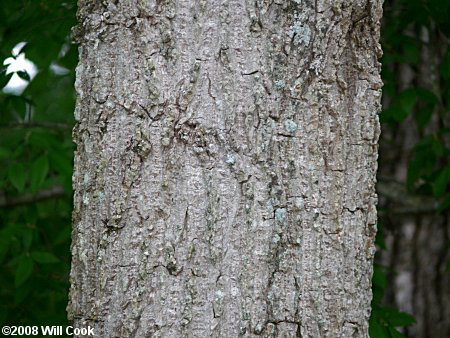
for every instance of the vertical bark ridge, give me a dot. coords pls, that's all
(225, 168)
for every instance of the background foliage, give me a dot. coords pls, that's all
(36, 151)
(416, 93)
(36, 164)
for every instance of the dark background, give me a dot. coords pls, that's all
(411, 280)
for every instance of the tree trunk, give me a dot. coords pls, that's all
(225, 168)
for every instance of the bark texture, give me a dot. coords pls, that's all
(225, 168)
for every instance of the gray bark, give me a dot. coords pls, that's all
(225, 168)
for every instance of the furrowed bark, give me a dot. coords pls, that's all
(225, 168)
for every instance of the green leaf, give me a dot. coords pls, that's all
(17, 176)
(401, 107)
(4, 248)
(438, 147)
(379, 278)
(24, 270)
(63, 235)
(60, 161)
(440, 184)
(408, 99)
(5, 153)
(44, 257)
(39, 171)
(440, 12)
(23, 75)
(376, 330)
(4, 79)
(426, 95)
(379, 241)
(423, 116)
(394, 333)
(18, 104)
(411, 52)
(426, 152)
(445, 203)
(27, 238)
(21, 293)
(70, 58)
(397, 318)
(430, 100)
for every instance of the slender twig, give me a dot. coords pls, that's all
(54, 192)
(404, 201)
(48, 125)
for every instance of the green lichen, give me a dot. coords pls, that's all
(299, 203)
(280, 84)
(296, 87)
(276, 238)
(269, 206)
(299, 31)
(259, 328)
(290, 126)
(230, 160)
(280, 215)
